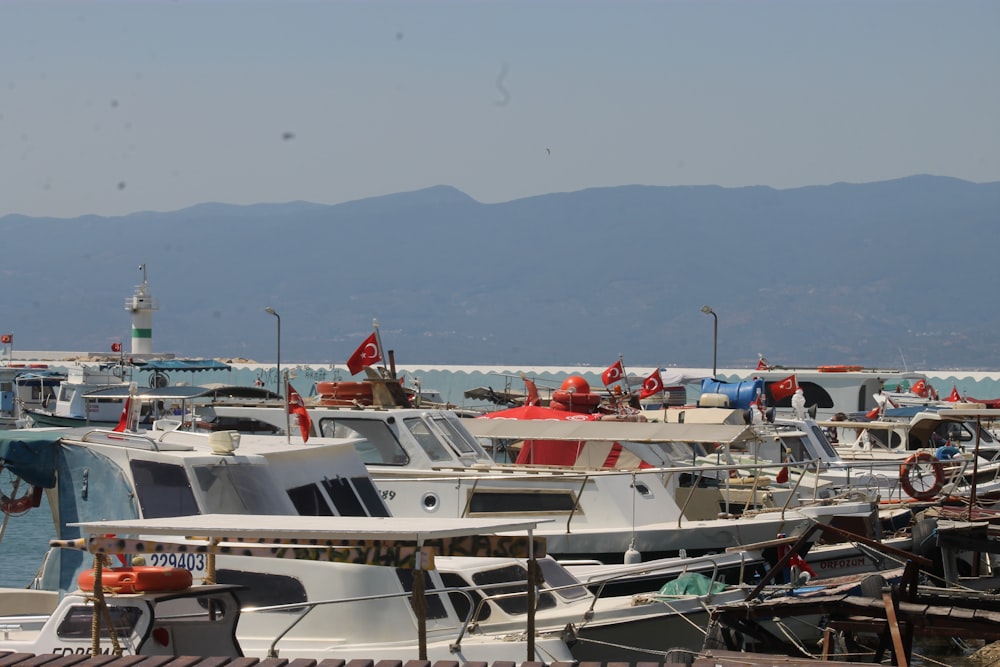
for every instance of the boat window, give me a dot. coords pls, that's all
(309, 501)
(344, 498)
(370, 496)
(239, 489)
(516, 600)
(78, 622)
(557, 576)
(821, 438)
(435, 605)
(794, 449)
(263, 589)
(374, 440)
(459, 436)
(459, 601)
(192, 609)
(499, 502)
(163, 489)
(427, 440)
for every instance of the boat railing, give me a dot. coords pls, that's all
(308, 607)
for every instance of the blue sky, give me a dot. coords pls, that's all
(115, 107)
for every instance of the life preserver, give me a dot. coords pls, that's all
(138, 579)
(21, 504)
(914, 468)
(839, 369)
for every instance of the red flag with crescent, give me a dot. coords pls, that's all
(613, 373)
(123, 420)
(761, 363)
(784, 388)
(296, 406)
(366, 355)
(116, 347)
(954, 396)
(6, 339)
(651, 385)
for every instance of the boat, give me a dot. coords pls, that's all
(830, 389)
(427, 463)
(164, 471)
(25, 386)
(175, 621)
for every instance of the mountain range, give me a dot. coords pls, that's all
(895, 273)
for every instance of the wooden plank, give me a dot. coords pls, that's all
(897, 638)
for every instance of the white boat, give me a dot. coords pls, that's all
(25, 386)
(835, 388)
(70, 405)
(164, 472)
(426, 463)
(187, 621)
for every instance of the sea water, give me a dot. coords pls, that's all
(23, 545)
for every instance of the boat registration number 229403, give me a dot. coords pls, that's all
(193, 562)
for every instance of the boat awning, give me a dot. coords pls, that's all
(238, 527)
(181, 365)
(31, 454)
(543, 429)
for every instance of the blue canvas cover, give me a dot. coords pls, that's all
(31, 455)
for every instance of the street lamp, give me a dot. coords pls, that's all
(715, 336)
(271, 311)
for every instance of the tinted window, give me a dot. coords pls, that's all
(460, 601)
(344, 498)
(494, 502)
(515, 595)
(309, 501)
(163, 489)
(239, 489)
(264, 590)
(78, 621)
(435, 606)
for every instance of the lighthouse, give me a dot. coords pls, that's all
(141, 305)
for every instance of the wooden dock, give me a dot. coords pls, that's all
(717, 658)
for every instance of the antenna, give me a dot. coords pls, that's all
(902, 357)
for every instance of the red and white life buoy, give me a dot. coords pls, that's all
(20, 504)
(922, 476)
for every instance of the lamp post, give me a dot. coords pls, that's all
(715, 337)
(271, 311)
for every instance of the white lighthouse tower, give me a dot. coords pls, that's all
(141, 305)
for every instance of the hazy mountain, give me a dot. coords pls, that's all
(878, 274)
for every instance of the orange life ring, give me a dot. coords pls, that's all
(914, 469)
(138, 579)
(839, 369)
(21, 504)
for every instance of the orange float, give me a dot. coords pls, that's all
(839, 369)
(138, 579)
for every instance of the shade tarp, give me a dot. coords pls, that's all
(31, 454)
(182, 365)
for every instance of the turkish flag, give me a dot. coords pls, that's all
(123, 420)
(651, 385)
(762, 364)
(613, 373)
(6, 339)
(954, 396)
(296, 406)
(366, 355)
(116, 347)
(784, 388)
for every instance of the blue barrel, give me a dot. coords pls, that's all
(741, 394)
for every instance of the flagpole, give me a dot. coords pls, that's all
(288, 416)
(624, 378)
(381, 350)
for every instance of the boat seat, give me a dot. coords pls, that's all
(25, 601)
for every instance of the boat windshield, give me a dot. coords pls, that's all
(228, 488)
(374, 440)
